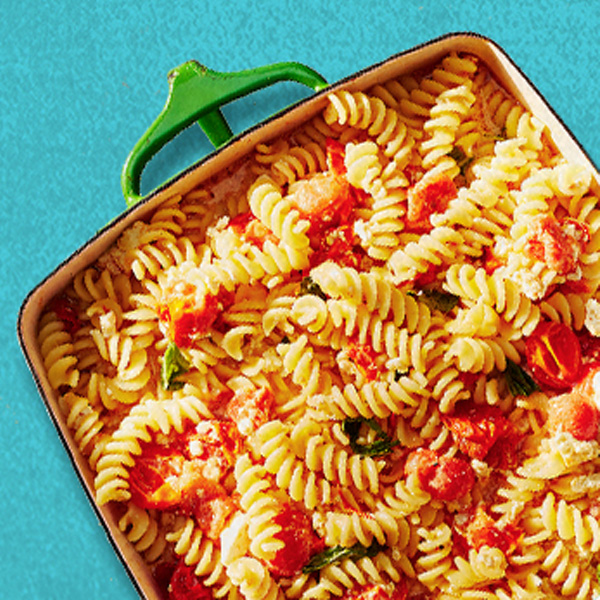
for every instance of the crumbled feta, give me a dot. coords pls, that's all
(592, 317)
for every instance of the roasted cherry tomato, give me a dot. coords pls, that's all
(476, 429)
(335, 156)
(249, 410)
(557, 243)
(300, 542)
(445, 478)
(396, 591)
(429, 196)
(576, 412)
(363, 356)
(554, 355)
(482, 530)
(249, 228)
(153, 478)
(66, 310)
(185, 585)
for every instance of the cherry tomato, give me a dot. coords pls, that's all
(153, 478)
(379, 592)
(336, 152)
(339, 245)
(363, 356)
(482, 530)
(299, 539)
(557, 243)
(66, 310)
(576, 411)
(554, 355)
(185, 585)
(187, 320)
(249, 228)
(428, 196)
(445, 478)
(250, 410)
(476, 429)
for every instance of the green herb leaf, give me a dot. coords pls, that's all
(308, 286)
(520, 383)
(337, 553)
(462, 160)
(174, 364)
(381, 446)
(436, 299)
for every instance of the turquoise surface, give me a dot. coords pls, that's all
(79, 84)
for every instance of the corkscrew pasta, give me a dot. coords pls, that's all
(365, 367)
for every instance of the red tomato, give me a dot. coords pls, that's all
(300, 542)
(378, 592)
(336, 153)
(65, 309)
(339, 245)
(557, 243)
(476, 429)
(430, 195)
(576, 411)
(218, 441)
(188, 320)
(554, 355)
(445, 478)
(482, 530)
(363, 356)
(153, 477)
(185, 585)
(249, 228)
(325, 200)
(250, 410)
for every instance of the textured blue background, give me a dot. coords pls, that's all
(79, 83)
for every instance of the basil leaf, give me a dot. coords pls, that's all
(308, 286)
(337, 553)
(462, 160)
(436, 299)
(520, 383)
(381, 446)
(174, 364)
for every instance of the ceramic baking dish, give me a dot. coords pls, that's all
(196, 95)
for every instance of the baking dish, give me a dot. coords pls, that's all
(207, 91)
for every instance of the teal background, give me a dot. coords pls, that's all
(79, 83)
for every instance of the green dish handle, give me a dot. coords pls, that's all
(196, 94)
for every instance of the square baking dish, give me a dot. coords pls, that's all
(135, 538)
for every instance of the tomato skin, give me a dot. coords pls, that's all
(428, 196)
(66, 310)
(363, 356)
(557, 243)
(250, 410)
(482, 530)
(378, 592)
(445, 478)
(340, 245)
(576, 411)
(476, 429)
(336, 152)
(151, 478)
(250, 228)
(300, 542)
(185, 585)
(553, 354)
